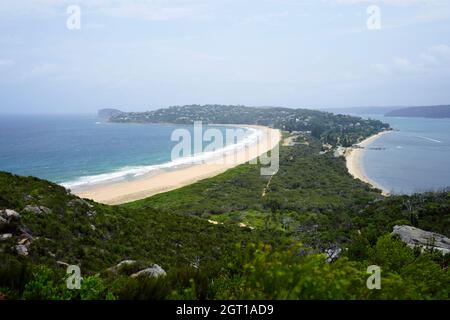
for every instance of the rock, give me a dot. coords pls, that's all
(333, 253)
(152, 271)
(27, 236)
(121, 264)
(28, 197)
(24, 241)
(243, 225)
(8, 213)
(33, 209)
(38, 209)
(5, 236)
(25, 232)
(22, 250)
(415, 237)
(78, 202)
(3, 220)
(91, 213)
(45, 210)
(62, 263)
(124, 263)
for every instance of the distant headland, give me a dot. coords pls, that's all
(437, 112)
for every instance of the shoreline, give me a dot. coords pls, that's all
(164, 180)
(353, 157)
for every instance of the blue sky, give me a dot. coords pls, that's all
(140, 55)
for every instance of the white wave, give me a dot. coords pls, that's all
(130, 172)
(430, 139)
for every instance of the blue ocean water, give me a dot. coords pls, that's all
(416, 157)
(66, 148)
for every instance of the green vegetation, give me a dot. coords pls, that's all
(308, 232)
(329, 128)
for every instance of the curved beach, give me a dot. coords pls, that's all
(354, 163)
(165, 180)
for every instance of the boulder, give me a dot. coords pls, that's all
(62, 263)
(333, 253)
(124, 263)
(415, 237)
(8, 213)
(121, 264)
(33, 209)
(28, 197)
(152, 271)
(22, 249)
(45, 210)
(26, 233)
(5, 236)
(37, 209)
(80, 202)
(91, 213)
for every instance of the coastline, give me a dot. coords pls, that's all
(354, 164)
(166, 180)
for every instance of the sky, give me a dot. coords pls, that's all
(139, 55)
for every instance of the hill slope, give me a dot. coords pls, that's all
(437, 112)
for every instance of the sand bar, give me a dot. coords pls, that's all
(354, 161)
(166, 180)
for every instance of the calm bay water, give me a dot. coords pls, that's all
(79, 149)
(416, 158)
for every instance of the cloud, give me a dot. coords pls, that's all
(5, 63)
(434, 58)
(47, 71)
(148, 11)
(140, 9)
(441, 52)
(404, 3)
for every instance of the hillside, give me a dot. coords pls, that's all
(108, 113)
(55, 228)
(437, 112)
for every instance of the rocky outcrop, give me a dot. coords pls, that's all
(131, 267)
(5, 236)
(37, 209)
(152, 271)
(117, 268)
(62, 263)
(22, 249)
(8, 213)
(79, 202)
(415, 237)
(107, 113)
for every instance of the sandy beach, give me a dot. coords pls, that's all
(166, 180)
(354, 164)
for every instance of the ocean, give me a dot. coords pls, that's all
(414, 158)
(79, 150)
